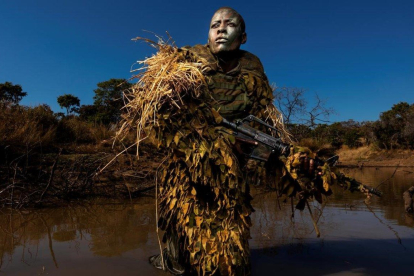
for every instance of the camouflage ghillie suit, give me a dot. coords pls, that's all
(204, 198)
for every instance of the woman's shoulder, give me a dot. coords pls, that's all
(251, 63)
(200, 51)
(248, 61)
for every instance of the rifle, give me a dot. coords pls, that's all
(263, 145)
(354, 185)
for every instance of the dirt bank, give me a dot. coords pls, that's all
(367, 157)
(57, 178)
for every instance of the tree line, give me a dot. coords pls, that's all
(307, 122)
(107, 104)
(39, 129)
(393, 130)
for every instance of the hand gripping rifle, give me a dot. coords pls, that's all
(262, 146)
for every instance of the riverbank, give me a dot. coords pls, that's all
(57, 178)
(53, 179)
(367, 157)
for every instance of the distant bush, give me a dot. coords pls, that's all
(313, 144)
(395, 128)
(27, 129)
(73, 129)
(24, 128)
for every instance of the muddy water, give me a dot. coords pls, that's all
(115, 238)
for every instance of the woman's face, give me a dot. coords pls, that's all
(225, 33)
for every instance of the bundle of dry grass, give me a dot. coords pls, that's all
(275, 118)
(164, 79)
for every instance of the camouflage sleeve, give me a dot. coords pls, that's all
(261, 95)
(303, 177)
(300, 178)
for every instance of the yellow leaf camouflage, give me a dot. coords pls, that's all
(204, 197)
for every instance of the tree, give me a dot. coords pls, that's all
(319, 110)
(408, 133)
(88, 112)
(393, 128)
(295, 109)
(108, 100)
(291, 102)
(68, 101)
(11, 93)
(367, 132)
(299, 131)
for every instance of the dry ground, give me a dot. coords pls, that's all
(366, 156)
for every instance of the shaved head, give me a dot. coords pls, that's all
(233, 11)
(227, 31)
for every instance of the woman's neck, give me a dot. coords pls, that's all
(228, 60)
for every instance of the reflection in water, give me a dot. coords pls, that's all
(106, 229)
(113, 238)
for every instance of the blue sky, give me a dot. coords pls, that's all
(359, 55)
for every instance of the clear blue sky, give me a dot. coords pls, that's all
(357, 54)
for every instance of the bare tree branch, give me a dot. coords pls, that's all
(295, 109)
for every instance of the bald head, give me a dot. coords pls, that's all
(227, 31)
(235, 13)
